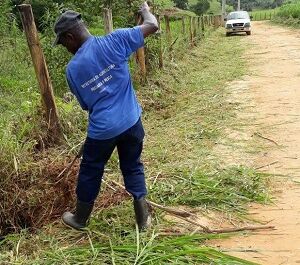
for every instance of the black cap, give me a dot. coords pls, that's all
(66, 21)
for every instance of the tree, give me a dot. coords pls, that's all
(201, 7)
(182, 4)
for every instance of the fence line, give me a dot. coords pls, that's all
(195, 26)
(263, 15)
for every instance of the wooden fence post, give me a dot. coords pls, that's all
(42, 74)
(191, 31)
(108, 20)
(203, 26)
(183, 26)
(161, 56)
(215, 21)
(195, 29)
(168, 30)
(199, 27)
(140, 56)
(221, 20)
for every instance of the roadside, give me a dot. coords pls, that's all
(183, 123)
(271, 92)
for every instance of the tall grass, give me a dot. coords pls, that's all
(133, 248)
(289, 11)
(289, 14)
(265, 14)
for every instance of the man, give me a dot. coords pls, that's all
(98, 75)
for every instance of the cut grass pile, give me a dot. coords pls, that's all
(132, 249)
(186, 111)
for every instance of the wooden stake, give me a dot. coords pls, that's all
(161, 53)
(42, 74)
(140, 55)
(184, 215)
(168, 30)
(191, 31)
(108, 20)
(203, 26)
(199, 26)
(195, 29)
(222, 231)
(183, 26)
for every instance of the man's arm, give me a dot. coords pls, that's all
(150, 24)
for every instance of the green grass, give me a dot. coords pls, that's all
(215, 6)
(289, 15)
(133, 248)
(183, 122)
(265, 14)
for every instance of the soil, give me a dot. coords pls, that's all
(273, 90)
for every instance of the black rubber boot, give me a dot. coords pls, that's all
(142, 214)
(79, 219)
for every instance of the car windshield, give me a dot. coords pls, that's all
(238, 15)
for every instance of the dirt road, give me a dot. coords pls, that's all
(273, 90)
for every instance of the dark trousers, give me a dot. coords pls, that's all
(96, 153)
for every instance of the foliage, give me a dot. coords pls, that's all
(182, 4)
(288, 14)
(119, 247)
(289, 11)
(5, 17)
(267, 14)
(201, 7)
(256, 4)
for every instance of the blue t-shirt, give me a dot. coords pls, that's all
(98, 75)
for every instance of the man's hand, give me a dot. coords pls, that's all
(150, 24)
(144, 7)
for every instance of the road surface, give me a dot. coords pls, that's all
(272, 87)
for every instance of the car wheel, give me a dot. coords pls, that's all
(248, 32)
(227, 34)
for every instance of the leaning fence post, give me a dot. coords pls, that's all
(41, 71)
(108, 20)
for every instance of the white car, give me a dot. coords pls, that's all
(238, 21)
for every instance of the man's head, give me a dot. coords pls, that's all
(70, 31)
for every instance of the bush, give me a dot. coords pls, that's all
(289, 11)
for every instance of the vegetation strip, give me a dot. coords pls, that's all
(183, 126)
